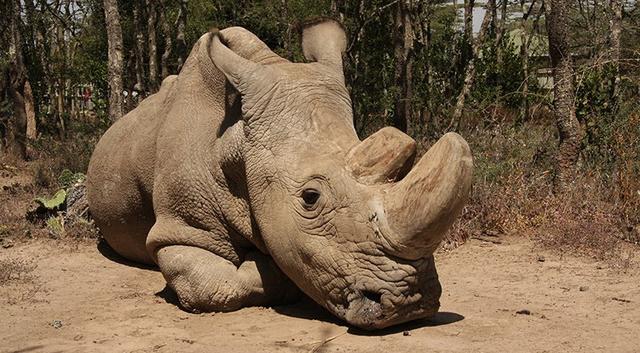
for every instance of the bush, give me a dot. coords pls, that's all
(513, 182)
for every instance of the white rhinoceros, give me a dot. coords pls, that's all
(243, 179)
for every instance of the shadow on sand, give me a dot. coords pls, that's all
(439, 319)
(110, 254)
(308, 309)
(304, 308)
(30, 349)
(169, 296)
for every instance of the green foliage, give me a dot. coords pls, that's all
(598, 112)
(500, 75)
(53, 203)
(55, 225)
(512, 150)
(68, 178)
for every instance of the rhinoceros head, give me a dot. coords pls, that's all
(353, 223)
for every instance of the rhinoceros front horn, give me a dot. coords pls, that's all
(419, 209)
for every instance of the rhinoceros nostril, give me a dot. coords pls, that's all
(373, 296)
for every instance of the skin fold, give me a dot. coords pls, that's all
(244, 180)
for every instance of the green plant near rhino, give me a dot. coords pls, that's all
(54, 208)
(68, 178)
(53, 203)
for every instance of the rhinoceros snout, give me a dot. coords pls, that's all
(372, 304)
(371, 310)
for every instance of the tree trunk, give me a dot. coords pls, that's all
(16, 80)
(59, 51)
(616, 31)
(501, 29)
(139, 48)
(129, 70)
(43, 49)
(68, 59)
(30, 112)
(168, 43)
(286, 46)
(524, 59)
(152, 12)
(424, 118)
(569, 128)
(17, 125)
(29, 104)
(470, 71)
(114, 39)
(468, 29)
(336, 5)
(33, 32)
(525, 39)
(403, 50)
(181, 43)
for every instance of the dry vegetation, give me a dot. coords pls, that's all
(18, 278)
(15, 270)
(513, 193)
(22, 182)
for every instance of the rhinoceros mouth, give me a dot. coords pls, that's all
(379, 304)
(370, 310)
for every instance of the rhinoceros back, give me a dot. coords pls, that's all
(128, 159)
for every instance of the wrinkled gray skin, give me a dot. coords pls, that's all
(243, 179)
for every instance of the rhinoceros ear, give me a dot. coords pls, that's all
(324, 41)
(249, 46)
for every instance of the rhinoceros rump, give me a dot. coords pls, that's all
(243, 179)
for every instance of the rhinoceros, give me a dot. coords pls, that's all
(244, 181)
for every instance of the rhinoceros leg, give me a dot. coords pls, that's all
(206, 282)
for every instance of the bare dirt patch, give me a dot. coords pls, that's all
(508, 297)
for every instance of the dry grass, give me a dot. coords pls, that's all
(15, 270)
(54, 156)
(598, 217)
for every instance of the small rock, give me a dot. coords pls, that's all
(523, 312)
(584, 288)
(7, 243)
(56, 323)
(541, 258)
(406, 333)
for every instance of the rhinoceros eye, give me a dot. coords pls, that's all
(310, 197)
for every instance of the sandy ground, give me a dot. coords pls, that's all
(76, 299)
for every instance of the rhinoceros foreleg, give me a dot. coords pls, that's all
(206, 282)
